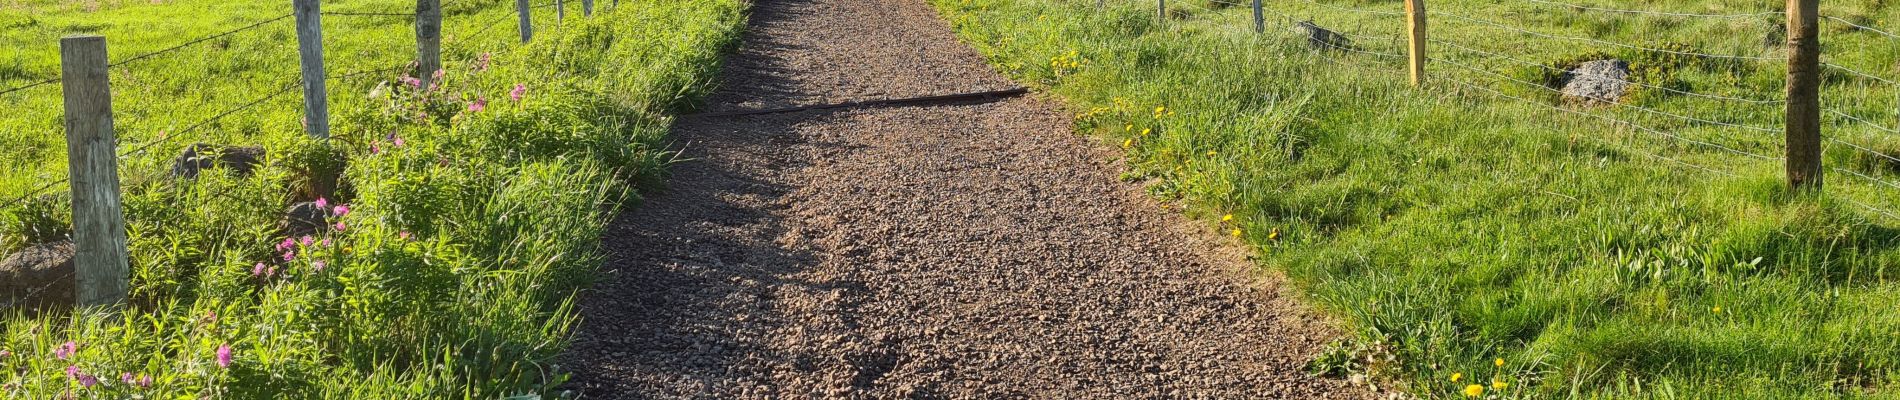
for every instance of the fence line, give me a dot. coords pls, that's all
(1600, 41)
(1654, 13)
(1605, 118)
(29, 86)
(1889, 35)
(1620, 104)
(199, 40)
(1645, 85)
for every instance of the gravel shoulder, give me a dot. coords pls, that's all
(976, 250)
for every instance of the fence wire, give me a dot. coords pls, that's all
(1654, 13)
(137, 58)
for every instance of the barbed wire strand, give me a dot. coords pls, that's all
(29, 86)
(1559, 70)
(1889, 35)
(32, 193)
(1600, 41)
(194, 127)
(1655, 13)
(1619, 104)
(32, 294)
(366, 14)
(199, 40)
(1611, 120)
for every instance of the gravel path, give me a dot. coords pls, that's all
(977, 250)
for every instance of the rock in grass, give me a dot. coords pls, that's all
(1321, 38)
(201, 156)
(1597, 82)
(38, 278)
(305, 218)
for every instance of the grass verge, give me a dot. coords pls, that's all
(470, 215)
(1467, 238)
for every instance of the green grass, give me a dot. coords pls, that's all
(1447, 227)
(456, 270)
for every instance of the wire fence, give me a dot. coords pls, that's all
(198, 129)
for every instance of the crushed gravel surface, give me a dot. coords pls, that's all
(973, 250)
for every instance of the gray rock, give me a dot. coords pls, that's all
(201, 156)
(305, 219)
(1321, 38)
(38, 279)
(1600, 81)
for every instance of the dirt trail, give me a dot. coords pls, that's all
(977, 250)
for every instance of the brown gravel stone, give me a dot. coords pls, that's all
(978, 250)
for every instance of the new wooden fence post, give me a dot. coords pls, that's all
(1259, 18)
(428, 39)
(316, 106)
(527, 26)
(101, 272)
(587, 8)
(1804, 100)
(1415, 30)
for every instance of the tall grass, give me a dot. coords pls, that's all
(468, 228)
(1458, 233)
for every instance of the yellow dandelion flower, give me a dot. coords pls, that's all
(1128, 143)
(1474, 390)
(1227, 218)
(1236, 233)
(1455, 376)
(1160, 110)
(1499, 362)
(1716, 309)
(1498, 385)
(1146, 131)
(1210, 153)
(1129, 127)
(1275, 235)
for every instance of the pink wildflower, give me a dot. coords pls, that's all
(478, 105)
(318, 265)
(519, 92)
(224, 356)
(145, 381)
(340, 227)
(286, 244)
(5, 354)
(323, 243)
(404, 235)
(290, 255)
(396, 141)
(66, 350)
(323, 202)
(307, 240)
(374, 149)
(85, 380)
(481, 63)
(412, 82)
(257, 270)
(437, 76)
(340, 210)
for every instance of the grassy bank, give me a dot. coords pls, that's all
(470, 213)
(1471, 232)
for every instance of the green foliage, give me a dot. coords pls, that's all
(1452, 228)
(467, 232)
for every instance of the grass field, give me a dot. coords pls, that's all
(473, 209)
(1466, 237)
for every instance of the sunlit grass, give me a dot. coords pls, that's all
(468, 231)
(1451, 227)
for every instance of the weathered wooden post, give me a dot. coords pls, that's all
(587, 8)
(1415, 30)
(1259, 18)
(428, 40)
(527, 26)
(560, 11)
(101, 271)
(1804, 100)
(1161, 11)
(316, 106)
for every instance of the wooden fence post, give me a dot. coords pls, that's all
(527, 26)
(560, 11)
(1415, 30)
(101, 271)
(587, 8)
(316, 107)
(1804, 103)
(1161, 11)
(1259, 18)
(428, 40)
